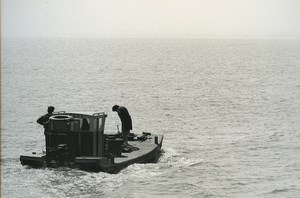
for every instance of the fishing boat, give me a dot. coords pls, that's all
(77, 140)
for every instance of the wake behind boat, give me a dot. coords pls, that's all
(77, 140)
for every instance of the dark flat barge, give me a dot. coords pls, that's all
(77, 140)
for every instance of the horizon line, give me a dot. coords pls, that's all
(163, 36)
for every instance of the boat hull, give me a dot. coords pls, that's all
(143, 150)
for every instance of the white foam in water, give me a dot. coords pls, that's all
(228, 109)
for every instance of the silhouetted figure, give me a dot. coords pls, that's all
(126, 121)
(44, 120)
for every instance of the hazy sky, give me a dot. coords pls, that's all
(143, 18)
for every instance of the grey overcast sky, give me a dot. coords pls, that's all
(146, 18)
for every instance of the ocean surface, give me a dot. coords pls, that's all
(229, 110)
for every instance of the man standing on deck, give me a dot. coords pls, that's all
(126, 121)
(44, 120)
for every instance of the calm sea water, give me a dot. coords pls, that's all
(229, 110)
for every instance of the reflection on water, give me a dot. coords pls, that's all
(229, 110)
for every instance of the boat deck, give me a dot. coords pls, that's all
(139, 149)
(142, 152)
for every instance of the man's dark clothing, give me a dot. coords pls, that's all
(43, 120)
(125, 118)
